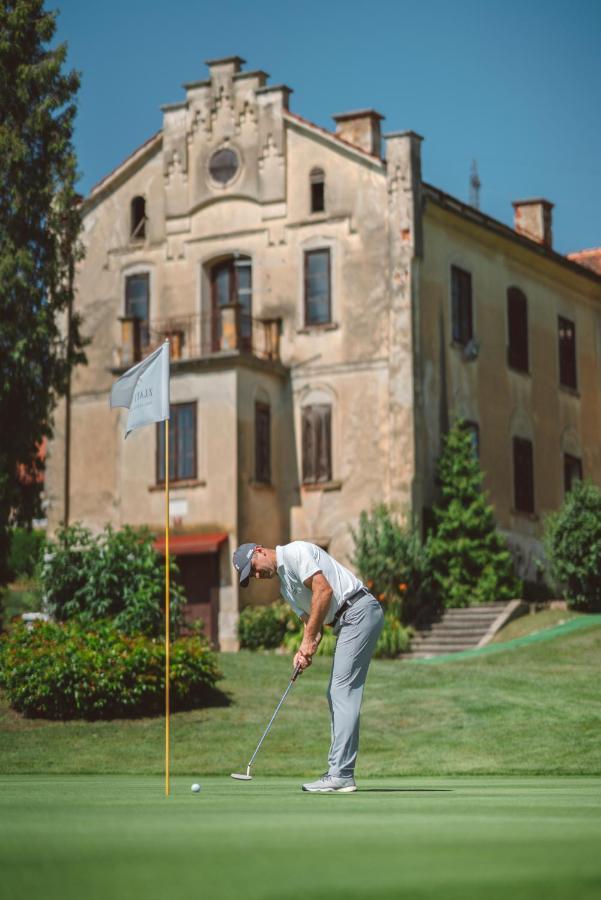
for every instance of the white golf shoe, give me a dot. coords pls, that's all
(331, 784)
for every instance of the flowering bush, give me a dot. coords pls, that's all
(391, 561)
(63, 671)
(116, 575)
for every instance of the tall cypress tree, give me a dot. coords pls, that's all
(40, 221)
(470, 561)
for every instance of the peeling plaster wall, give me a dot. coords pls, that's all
(361, 361)
(504, 402)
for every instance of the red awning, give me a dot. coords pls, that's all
(186, 544)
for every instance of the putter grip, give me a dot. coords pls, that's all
(296, 673)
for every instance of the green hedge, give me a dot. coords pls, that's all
(25, 550)
(269, 627)
(264, 627)
(572, 544)
(63, 671)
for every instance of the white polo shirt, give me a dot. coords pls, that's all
(298, 561)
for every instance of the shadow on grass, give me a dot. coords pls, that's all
(405, 790)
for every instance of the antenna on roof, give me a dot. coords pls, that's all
(475, 184)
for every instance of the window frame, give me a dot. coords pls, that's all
(523, 489)
(518, 350)
(319, 413)
(174, 437)
(317, 179)
(567, 366)
(232, 265)
(306, 255)
(262, 409)
(462, 313)
(137, 223)
(144, 334)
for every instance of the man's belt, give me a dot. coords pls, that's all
(350, 601)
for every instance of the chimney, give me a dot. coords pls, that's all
(361, 128)
(533, 219)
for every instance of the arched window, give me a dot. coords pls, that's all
(231, 285)
(138, 218)
(317, 181)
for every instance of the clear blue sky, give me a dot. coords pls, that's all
(514, 85)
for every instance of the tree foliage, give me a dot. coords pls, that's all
(469, 560)
(573, 546)
(40, 221)
(391, 560)
(116, 575)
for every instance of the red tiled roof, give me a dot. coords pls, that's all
(590, 259)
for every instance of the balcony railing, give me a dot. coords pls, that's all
(226, 331)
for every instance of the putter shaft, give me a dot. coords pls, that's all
(295, 675)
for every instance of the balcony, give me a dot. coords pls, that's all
(225, 332)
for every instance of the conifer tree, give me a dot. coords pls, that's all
(470, 561)
(39, 225)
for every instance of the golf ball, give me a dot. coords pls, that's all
(195, 788)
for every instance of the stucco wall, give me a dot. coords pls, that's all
(486, 390)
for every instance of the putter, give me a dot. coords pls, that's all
(248, 776)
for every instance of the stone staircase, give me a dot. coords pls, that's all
(462, 629)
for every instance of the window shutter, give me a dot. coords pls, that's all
(308, 445)
(324, 449)
(517, 320)
(523, 473)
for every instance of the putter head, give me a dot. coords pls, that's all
(246, 777)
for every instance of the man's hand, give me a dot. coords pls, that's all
(301, 660)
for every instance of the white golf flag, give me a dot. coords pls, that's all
(144, 390)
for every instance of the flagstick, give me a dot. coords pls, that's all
(166, 607)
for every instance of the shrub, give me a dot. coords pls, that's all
(25, 550)
(63, 671)
(391, 560)
(394, 639)
(572, 544)
(470, 561)
(116, 575)
(264, 627)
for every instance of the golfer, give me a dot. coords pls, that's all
(322, 592)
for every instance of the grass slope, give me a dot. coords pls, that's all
(533, 623)
(530, 709)
(67, 838)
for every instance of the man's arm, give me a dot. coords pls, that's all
(320, 604)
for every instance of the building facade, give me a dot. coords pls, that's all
(329, 313)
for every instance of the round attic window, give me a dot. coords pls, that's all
(223, 165)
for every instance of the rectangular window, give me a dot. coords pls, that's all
(566, 331)
(517, 328)
(523, 475)
(317, 287)
(572, 471)
(461, 300)
(262, 443)
(182, 444)
(137, 295)
(317, 443)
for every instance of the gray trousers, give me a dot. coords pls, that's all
(358, 631)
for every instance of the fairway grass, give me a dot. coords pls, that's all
(462, 838)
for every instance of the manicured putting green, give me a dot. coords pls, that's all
(118, 838)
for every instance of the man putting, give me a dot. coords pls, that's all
(322, 592)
